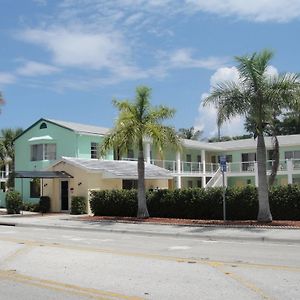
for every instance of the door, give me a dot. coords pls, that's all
(64, 195)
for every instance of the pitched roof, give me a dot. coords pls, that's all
(81, 128)
(118, 168)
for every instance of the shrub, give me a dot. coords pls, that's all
(78, 205)
(33, 207)
(13, 202)
(241, 203)
(44, 204)
(114, 203)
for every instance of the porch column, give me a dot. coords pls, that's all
(289, 165)
(178, 169)
(203, 161)
(148, 152)
(6, 170)
(256, 173)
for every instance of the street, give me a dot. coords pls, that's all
(40, 263)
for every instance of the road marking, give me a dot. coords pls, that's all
(179, 248)
(149, 255)
(11, 256)
(249, 285)
(63, 287)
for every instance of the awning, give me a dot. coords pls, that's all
(42, 174)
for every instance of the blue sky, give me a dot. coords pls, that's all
(68, 59)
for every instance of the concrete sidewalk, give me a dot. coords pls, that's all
(66, 221)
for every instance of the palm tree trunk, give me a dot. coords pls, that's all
(264, 213)
(275, 158)
(142, 205)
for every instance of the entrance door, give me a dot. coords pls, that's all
(64, 195)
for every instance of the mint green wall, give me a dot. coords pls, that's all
(84, 145)
(64, 139)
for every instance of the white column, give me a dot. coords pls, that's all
(178, 169)
(289, 165)
(203, 161)
(148, 152)
(6, 170)
(256, 173)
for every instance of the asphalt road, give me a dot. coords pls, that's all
(37, 263)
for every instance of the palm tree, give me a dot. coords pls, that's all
(190, 133)
(137, 121)
(255, 97)
(7, 152)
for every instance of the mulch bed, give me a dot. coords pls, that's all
(173, 221)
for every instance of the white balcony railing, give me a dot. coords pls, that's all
(3, 175)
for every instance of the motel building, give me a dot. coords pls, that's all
(60, 159)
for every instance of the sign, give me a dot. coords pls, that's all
(223, 163)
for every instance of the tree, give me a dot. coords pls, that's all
(138, 121)
(190, 133)
(7, 151)
(255, 97)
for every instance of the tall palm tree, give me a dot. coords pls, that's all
(190, 133)
(137, 121)
(255, 97)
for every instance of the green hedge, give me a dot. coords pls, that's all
(241, 203)
(78, 205)
(13, 202)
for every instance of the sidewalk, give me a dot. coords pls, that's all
(70, 222)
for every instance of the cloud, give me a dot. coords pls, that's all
(207, 118)
(76, 48)
(254, 10)
(32, 68)
(6, 78)
(182, 58)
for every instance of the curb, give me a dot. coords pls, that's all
(163, 234)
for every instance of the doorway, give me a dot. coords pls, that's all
(64, 195)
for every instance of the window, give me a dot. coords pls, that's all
(129, 184)
(43, 152)
(94, 150)
(43, 125)
(247, 161)
(130, 154)
(292, 155)
(2, 187)
(199, 183)
(199, 158)
(35, 189)
(228, 158)
(190, 184)
(188, 157)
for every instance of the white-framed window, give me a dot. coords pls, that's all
(43, 152)
(292, 155)
(94, 150)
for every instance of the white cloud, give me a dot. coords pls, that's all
(6, 78)
(40, 2)
(207, 118)
(33, 68)
(254, 10)
(182, 58)
(76, 48)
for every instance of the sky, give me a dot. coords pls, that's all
(67, 59)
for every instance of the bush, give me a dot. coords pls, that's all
(78, 205)
(44, 204)
(13, 202)
(241, 203)
(33, 207)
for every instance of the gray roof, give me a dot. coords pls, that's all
(200, 145)
(118, 168)
(284, 140)
(81, 128)
(42, 174)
